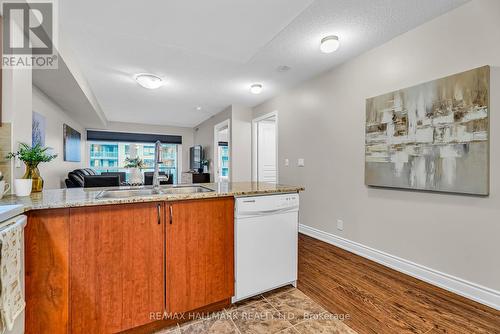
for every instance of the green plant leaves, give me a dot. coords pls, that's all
(32, 155)
(134, 163)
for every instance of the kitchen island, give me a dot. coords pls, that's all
(97, 264)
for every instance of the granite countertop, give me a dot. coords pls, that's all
(78, 197)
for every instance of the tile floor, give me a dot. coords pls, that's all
(284, 311)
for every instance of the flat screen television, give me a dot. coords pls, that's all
(195, 157)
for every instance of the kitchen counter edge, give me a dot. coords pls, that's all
(79, 197)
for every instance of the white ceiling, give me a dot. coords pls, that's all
(65, 90)
(210, 51)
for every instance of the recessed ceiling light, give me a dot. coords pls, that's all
(198, 108)
(256, 88)
(149, 81)
(329, 44)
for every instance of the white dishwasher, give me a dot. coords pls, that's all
(266, 237)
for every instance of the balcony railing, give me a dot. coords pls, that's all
(104, 155)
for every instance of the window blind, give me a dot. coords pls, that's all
(132, 137)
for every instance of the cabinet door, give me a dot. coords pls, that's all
(117, 266)
(200, 253)
(46, 240)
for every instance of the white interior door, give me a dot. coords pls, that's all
(267, 152)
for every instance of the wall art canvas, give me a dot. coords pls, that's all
(38, 129)
(434, 136)
(72, 144)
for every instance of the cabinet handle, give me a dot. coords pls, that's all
(171, 214)
(159, 214)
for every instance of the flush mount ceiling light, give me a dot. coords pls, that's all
(149, 81)
(256, 89)
(199, 108)
(329, 44)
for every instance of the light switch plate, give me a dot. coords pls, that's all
(300, 162)
(340, 224)
(287, 162)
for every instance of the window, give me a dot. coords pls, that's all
(110, 156)
(224, 161)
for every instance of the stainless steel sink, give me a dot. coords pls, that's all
(185, 190)
(126, 193)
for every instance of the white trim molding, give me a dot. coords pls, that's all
(215, 167)
(473, 291)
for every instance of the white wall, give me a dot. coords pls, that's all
(323, 119)
(55, 172)
(16, 104)
(240, 143)
(186, 133)
(204, 136)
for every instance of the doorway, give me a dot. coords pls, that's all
(265, 148)
(222, 152)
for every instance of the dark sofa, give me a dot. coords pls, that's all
(87, 178)
(76, 178)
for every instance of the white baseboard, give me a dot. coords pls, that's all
(451, 283)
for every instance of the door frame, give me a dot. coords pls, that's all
(217, 128)
(255, 145)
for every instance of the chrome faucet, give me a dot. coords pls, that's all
(158, 160)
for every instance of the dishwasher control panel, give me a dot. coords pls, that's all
(266, 204)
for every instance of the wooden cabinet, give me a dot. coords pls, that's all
(106, 269)
(46, 249)
(200, 248)
(117, 266)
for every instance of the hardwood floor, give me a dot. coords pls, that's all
(381, 300)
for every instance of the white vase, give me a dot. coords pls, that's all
(135, 176)
(22, 187)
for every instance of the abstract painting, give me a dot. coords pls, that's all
(434, 136)
(38, 129)
(72, 146)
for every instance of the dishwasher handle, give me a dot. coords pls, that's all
(267, 212)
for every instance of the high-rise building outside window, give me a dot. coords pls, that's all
(110, 156)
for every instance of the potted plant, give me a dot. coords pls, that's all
(135, 165)
(32, 157)
(205, 163)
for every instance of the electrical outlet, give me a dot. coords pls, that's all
(287, 162)
(17, 162)
(340, 224)
(301, 162)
